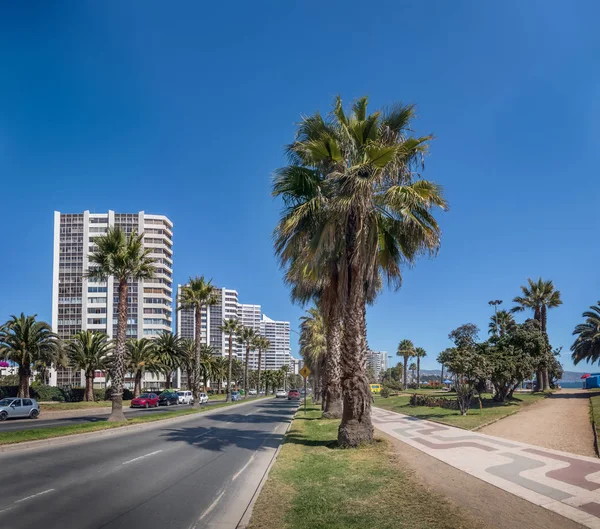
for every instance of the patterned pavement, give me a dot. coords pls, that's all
(564, 483)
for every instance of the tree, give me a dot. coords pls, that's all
(313, 346)
(220, 369)
(587, 344)
(198, 293)
(375, 212)
(89, 351)
(419, 353)
(246, 337)
(188, 360)
(501, 322)
(229, 327)
(539, 296)
(413, 369)
(406, 350)
(124, 258)
(285, 369)
(28, 343)
(169, 354)
(262, 344)
(141, 357)
(207, 360)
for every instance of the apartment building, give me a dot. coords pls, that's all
(278, 333)
(79, 303)
(377, 361)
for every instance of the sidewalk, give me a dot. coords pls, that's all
(564, 483)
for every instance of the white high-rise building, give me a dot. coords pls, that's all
(377, 361)
(82, 304)
(278, 333)
(295, 366)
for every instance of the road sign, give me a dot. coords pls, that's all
(305, 371)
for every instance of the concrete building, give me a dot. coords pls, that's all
(278, 333)
(377, 361)
(82, 304)
(295, 366)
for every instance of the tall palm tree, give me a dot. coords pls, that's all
(198, 293)
(207, 361)
(313, 345)
(419, 353)
(141, 357)
(246, 337)
(124, 258)
(539, 296)
(169, 354)
(587, 344)
(262, 344)
(230, 328)
(89, 351)
(373, 204)
(28, 343)
(406, 350)
(501, 322)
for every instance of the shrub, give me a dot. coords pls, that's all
(385, 392)
(43, 392)
(8, 391)
(433, 401)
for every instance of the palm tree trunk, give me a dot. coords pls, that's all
(168, 380)
(197, 336)
(118, 365)
(24, 374)
(137, 385)
(258, 374)
(228, 397)
(404, 373)
(246, 371)
(442, 376)
(89, 387)
(418, 372)
(332, 373)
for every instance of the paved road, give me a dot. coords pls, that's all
(94, 415)
(200, 473)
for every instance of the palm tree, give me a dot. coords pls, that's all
(313, 345)
(169, 354)
(89, 351)
(198, 293)
(229, 327)
(207, 360)
(373, 210)
(141, 357)
(539, 296)
(285, 369)
(220, 369)
(262, 344)
(419, 353)
(188, 348)
(246, 337)
(124, 258)
(269, 380)
(413, 368)
(501, 322)
(28, 343)
(587, 344)
(406, 350)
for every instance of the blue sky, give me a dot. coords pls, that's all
(183, 109)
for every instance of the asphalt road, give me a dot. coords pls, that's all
(11, 425)
(200, 473)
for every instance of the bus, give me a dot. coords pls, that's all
(375, 388)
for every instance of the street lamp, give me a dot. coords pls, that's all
(495, 303)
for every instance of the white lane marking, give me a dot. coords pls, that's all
(211, 506)
(237, 475)
(141, 457)
(204, 433)
(34, 495)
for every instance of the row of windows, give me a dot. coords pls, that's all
(94, 229)
(97, 310)
(97, 289)
(76, 321)
(167, 312)
(158, 301)
(69, 300)
(156, 291)
(155, 321)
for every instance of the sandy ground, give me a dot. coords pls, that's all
(490, 506)
(560, 422)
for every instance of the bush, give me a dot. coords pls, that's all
(45, 393)
(385, 392)
(8, 391)
(433, 401)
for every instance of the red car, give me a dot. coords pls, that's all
(145, 400)
(294, 394)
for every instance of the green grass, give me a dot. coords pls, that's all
(315, 485)
(595, 408)
(62, 406)
(59, 431)
(474, 418)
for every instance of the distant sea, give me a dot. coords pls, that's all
(570, 384)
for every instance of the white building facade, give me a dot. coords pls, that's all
(79, 303)
(377, 361)
(278, 333)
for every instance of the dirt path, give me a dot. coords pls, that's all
(560, 422)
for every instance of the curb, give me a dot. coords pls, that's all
(119, 430)
(245, 520)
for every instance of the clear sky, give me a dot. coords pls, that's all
(183, 108)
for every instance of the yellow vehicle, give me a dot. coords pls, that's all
(375, 388)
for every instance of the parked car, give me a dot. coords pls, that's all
(293, 394)
(236, 395)
(185, 397)
(166, 398)
(145, 400)
(281, 394)
(19, 408)
(203, 398)
(251, 392)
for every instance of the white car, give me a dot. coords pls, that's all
(203, 398)
(281, 394)
(185, 397)
(252, 392)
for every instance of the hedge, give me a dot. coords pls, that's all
(45, 393)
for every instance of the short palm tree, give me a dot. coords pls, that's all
(89, 351)
(262, 344)
(313, 346)
(587, 344)
(141, 357)
(28, 342)
(246, 337)
(406, 350)
(124, 258)
(539, 296)
(230, 328)
(169, 354)
(419, 353)
(198, 293)
(501, 322)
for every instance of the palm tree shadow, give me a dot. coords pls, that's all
(302, 440)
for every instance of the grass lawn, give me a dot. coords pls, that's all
(315, 485)
(474, 418)
(595, 407)
(58, 431)
(61, 406)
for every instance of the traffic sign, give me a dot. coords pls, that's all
(305, 371)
